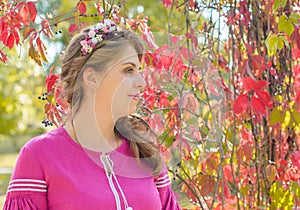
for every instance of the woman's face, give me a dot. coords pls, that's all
(119, 86)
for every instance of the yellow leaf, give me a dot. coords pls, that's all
(271, 172)
(41, 49)
(295, 116)
(276, 116)
(287, 119)
(34, 55)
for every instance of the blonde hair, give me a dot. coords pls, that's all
(102, 56)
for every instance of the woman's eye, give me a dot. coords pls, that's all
(129, 70)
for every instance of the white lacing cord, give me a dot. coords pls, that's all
(111, 184)
(127, 207)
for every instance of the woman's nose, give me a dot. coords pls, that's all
(140, 82)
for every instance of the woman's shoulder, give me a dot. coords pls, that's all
(45, 140)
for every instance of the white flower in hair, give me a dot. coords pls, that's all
(100, 25)
(112, 28)
(92, 33)
(95, 40)
(99, 37)
(107, 22)
(88, 48)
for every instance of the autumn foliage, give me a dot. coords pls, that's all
(227, 110)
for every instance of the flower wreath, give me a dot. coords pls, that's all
(95, 35)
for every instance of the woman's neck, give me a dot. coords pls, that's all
(93, 135)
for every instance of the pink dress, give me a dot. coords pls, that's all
(54, 172)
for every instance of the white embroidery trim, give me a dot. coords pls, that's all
(27, 185)
(27, 189)
(27, 180)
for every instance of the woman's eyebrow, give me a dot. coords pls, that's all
(131, 63)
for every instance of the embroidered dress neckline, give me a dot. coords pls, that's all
(70, 140)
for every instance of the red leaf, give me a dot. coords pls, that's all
(164, 49)
(187, 55)
(149, 38)
(10, 40)
(3, 57)
(296, 72)
(227, 173)
(156, 62)
(257, 105)
(296, 36)
(297, 100)
(265, 97)
(296, 159)
(174, 39)
(192, 4)
(258, 63)
(59, 97)
(27, 32)
(51, 81)
(4, 37)
(73, 28)
(46, 28)
(248, 83)
(260, 84)
(23, 14)
(81, 7)
(167, 3)
(226, 190)
(15, 32)
(32, 10)
(3, 25)
(207, 184)
(241, 104)
(223, 62)
(249, 48)
(148, 56)
(166, 61)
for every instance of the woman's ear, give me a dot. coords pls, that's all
(90, 78)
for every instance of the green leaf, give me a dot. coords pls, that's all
(295, 116)
(281, 197)
(273, 43)
(279, 3)
(276, 116)
(286, 25)
(294, 18)
(285, 41)
(287, 119)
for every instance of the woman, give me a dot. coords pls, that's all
(102, 157)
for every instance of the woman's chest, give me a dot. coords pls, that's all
(85, 186)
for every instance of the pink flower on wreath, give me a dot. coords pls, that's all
(83, 43)
(92, 33)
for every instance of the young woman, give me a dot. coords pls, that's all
(102, 157)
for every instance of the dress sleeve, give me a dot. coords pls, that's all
(27, 189)
(167, 197)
